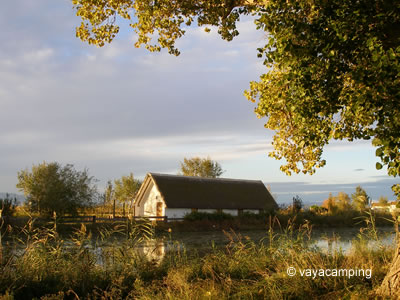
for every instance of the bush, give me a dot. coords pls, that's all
(7, 206)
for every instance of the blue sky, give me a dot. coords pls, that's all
(118, 109)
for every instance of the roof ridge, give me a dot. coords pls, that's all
(204, 178)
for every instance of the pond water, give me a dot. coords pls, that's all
(202, 242)
(322, 238)
(340, 239)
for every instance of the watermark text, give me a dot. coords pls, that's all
(313, 273)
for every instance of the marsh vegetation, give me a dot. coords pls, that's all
(48, 265)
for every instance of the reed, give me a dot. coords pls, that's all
(44, 265)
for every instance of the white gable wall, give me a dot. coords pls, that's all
(148, 205)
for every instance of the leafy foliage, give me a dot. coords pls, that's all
(49, 188)
(201, 167)
(334, 75)
(162, 19)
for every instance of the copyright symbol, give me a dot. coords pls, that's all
(291, 271)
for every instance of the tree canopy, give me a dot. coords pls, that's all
(337, 204)
(334, 75)
(49, 188)
(360, 199)
(201, 167)
(332, 67)
(125, 189)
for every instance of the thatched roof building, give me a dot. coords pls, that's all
(174, 195)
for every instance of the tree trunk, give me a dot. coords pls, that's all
(391, 284)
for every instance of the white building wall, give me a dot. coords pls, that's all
(177, 212)
(149, 207)
(253, 211)
(233, 212)
(206, 210)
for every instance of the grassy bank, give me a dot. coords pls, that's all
(49, 267)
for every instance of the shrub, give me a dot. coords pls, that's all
(7, 206)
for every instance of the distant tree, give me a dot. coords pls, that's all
(340, 203)
(108, 193)
(125, 190)
(343, 202)
(7, 206)
(107, 198)
(49, 188)
(297, 204)
(317, 209)
(201, 167)
(360, 199)
(383, 201)
(329, 204)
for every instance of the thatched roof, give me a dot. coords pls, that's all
(212, 193)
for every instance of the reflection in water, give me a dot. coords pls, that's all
(328, 240)
(153, 250)
(346, 240)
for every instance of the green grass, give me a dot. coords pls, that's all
(46, 268)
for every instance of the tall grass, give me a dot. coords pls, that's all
(49, 267)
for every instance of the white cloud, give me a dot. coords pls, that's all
(38, 56)
(91, 57)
